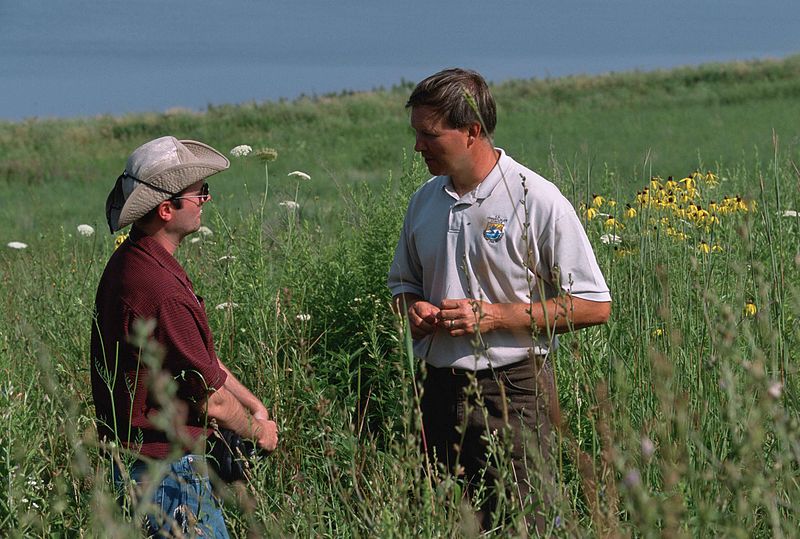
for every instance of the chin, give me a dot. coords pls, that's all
(435, 169)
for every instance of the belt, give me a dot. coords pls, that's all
(478, 374)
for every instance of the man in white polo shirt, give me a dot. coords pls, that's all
(491, 264)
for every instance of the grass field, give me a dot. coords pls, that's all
(680, 414)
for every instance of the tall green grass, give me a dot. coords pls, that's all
(679, 415)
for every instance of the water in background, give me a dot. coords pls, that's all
(88, 57)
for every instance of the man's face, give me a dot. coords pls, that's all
(187, 217)
(444, 148)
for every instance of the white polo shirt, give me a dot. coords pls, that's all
(474, 247)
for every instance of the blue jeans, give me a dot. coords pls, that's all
(182, 501)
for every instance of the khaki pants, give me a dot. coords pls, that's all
(521, 412)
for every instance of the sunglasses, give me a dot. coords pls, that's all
(203, 195)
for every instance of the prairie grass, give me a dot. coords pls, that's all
(680, 415)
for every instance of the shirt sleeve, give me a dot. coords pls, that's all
(405, 273)
(567, 260)
(183, 330)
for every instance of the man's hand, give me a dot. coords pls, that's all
(267, 434)
(464, 316)
(423, 318)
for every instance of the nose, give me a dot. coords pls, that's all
(419, 146)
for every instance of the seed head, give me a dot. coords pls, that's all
(266, 154)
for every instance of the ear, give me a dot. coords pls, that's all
(474, 132)
(165, 211)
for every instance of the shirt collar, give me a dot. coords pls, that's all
(154, 249)
(487, 186)
(494, 177)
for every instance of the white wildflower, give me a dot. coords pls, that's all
(194, 240)
(303, 317)
(775, 389)
(612, 239)
(226, 257)
(85, 230)
(789, 213)
(17, 245)
(226, 305)
(205, 231)
(241, 150)
(300, 175)
(290, 204)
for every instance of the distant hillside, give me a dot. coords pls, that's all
(631, 124)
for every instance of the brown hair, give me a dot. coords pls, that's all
(446, 92)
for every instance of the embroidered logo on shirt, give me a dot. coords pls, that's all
(495, 229)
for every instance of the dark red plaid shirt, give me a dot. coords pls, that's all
(143, 281)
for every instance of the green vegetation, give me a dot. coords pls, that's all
(680, 415)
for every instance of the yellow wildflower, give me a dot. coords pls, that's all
(597, 200)
(612, 202)
(711, 179)
(613, 223)
(704, 247)
(630, 213)
(119, 239)
(716, 248)
(741, 205)
(658, 332)
(750, 309)
(591, 213)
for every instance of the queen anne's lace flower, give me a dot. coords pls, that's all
(205, 231)
(85, 230)
(289, 204)
(17, 245)
(303, 317)
(610, 239)
(300, 175)
(226, 305)
(242, 150)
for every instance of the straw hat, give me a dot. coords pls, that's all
(157, 171)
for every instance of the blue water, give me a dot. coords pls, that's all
(86, 57)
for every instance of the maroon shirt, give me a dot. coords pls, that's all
(143, 281)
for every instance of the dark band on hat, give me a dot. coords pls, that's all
(116, 199)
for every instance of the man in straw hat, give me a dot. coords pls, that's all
(492, 262)
(162, 193)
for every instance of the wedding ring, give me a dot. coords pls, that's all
(451, 324)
